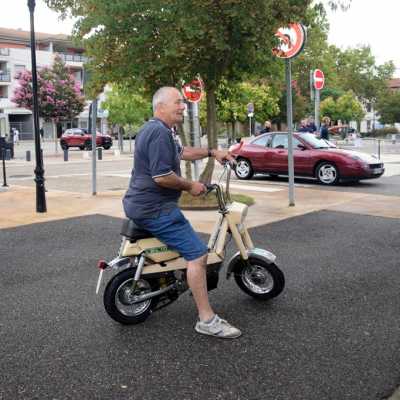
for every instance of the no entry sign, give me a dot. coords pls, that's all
(318, 79)
(193, 91)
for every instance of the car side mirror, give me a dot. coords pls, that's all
(301, 147)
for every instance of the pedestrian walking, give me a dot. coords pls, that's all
(267, 127)
(16, 136)
(324, 131)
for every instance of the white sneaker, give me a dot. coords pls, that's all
(219, 328)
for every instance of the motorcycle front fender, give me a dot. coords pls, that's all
(236, 260)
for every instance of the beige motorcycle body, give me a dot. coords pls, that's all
(159, 258)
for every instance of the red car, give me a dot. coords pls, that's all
(79, 137)
(313, 157)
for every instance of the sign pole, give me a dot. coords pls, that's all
(249, 124)
(290, 130)
(292, 40)
(196, 137)
(317, 101)
(193, 92)
(318, 83)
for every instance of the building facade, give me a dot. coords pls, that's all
(15, 56)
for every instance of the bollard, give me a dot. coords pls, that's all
(3, 152)
(28, 155)
(379, 148)
(65, 154)
(99, 153)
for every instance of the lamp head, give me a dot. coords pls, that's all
(31, 5)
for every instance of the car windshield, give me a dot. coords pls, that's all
(317, 143)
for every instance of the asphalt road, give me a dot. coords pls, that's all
(385, 185)
(113, 174)
(332, 334)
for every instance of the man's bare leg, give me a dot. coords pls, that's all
(196, 276)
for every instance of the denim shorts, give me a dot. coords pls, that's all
(173, 229)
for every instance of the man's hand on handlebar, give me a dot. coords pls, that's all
(197, 188)
(223, 156)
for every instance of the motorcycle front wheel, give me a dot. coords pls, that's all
(120, 295)
(260, 279)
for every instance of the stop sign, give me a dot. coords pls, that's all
(319, 79)
(193, 91)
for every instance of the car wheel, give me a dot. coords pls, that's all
(243, 169)
(81, 147)
(327, 173)
(107, 147)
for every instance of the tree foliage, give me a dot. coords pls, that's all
(59, 96)
(127, 106)
(162, 42)
(388, 107)
(346, 108)
(232, 101)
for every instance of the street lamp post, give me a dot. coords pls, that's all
(39, 171)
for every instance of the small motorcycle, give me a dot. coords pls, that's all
(152, 276)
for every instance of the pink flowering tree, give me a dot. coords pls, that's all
(59, 95)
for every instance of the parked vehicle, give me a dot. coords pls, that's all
(151, 275)
(313, 157)
(81, 138)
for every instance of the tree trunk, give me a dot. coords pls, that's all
(183, 131)
(121, 132)
(211, 134)
(233, 137)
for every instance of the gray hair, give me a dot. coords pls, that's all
(161, 96)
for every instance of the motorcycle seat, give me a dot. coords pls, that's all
(134, 232)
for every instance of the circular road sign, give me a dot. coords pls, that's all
(193, 91)
(250, 108)
(292, 41)
(318, 79)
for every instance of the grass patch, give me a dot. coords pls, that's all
(189, 202)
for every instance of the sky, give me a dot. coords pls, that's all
(367, 22)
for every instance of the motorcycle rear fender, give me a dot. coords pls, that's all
(236, 260)
(119, 262)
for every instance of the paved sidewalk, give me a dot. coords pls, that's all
(18, 205)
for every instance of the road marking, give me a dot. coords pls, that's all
(255, 188)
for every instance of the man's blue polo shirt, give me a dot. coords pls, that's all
(156, 154)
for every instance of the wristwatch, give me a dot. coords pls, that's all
(210, 152)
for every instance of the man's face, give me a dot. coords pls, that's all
(173, 108)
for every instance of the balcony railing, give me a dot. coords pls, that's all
(4, 52)
(5, 76)
(73, 57)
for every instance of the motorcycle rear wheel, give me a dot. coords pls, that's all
(119, 296)
(260, 279)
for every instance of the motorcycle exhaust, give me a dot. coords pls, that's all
(148, 296)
